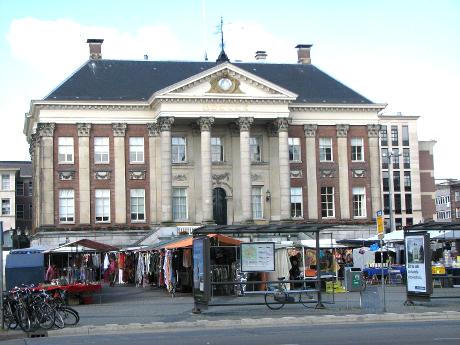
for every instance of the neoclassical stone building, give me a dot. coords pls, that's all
(123, 148)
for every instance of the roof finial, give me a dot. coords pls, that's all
(222, 56)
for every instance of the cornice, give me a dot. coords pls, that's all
(220, 100)
(336, 107)
(111, 107)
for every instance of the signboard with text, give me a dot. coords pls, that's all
(418, 263)
(380, 227)
(258, 257)
(201, 268)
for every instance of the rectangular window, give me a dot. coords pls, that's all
(19, 188)
(66, 206)
(408, 200)
(136, 149)
(385, 181)
(406, 158)
(395, 159)
(457, 212)
(179, 203)
(325, 149)
(397, 206)
(6, 207)
(409, 221)
(386, 203)
(407, 181)
(257, 205)
(102, 197)
(65, 150)
(327, 202)
(448, 215)
(30, 188)
(457, 196)
(5, 181)
(359, 202)
(19, 211)
(357, 154)
(396, 181)
(30, 211)
(383, 135)
(384, 158)
(447, 199)
(137, 205)
(101, 149)
(178, 149)
(217, 150)
(394, 136)
(255, 149)
(296, 202)
(405, 135)
(294, 149)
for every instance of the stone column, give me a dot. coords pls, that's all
(344, 185)
(205, 124)
(166, 168)
(83, 130)
(119, 132)
(34, 150)
(282, 124)
(312, 184)
(46, 133)
(154, 132)
(374, 165)
(244, 123)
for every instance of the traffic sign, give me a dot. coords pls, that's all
(380, 226)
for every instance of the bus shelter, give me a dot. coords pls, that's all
(255, 254)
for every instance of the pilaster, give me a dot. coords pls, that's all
(282, 125)
(46, 134)
(83, 131)
(154, 133)
(344, 185)
(119, 132)
(205, 124)
(244, 124)
(374, 157)
(165, 124)
(312, 184)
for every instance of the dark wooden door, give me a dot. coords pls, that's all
(219, 206)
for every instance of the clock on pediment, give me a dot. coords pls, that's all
(224, 84)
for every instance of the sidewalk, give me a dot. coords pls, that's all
(142, 309)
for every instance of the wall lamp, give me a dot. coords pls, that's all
(268, 195)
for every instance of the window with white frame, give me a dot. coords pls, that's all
(325, 149)
(359, 202)
(66, 206)
(457, 211)
(179, 204)
(102, 197)
(327, 202)
(457, 196)
(6, 182)
(65, 150)
(6, 207)
(217, 149)
(296, 202)
(19, 211)
(101, 149)
(294, 149)
(255, 149)
(136, 149)
(383, 135)
(137, 205)
(256, 201)
(178, 149)
(357, 151)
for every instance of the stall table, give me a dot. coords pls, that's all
(83, 291)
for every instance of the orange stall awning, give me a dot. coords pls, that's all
(187, 242)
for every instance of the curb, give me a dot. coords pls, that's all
(262, 322)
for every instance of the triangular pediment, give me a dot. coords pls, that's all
(226, 81)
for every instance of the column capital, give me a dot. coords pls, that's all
(46, 129)
(205, 123)
(282, 124)
(165, 123)
(373, 131)
(154, 129)
(310, 130)
(119, 129)
(83, 129)
(342, 130)
(244, 123)
(33, 143)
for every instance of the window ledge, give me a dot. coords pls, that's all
(260, 163)
(296, 162)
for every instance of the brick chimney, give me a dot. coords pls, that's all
(261, 55)
(95, 48)
(303, 53)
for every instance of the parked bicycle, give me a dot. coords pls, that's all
(277, 295)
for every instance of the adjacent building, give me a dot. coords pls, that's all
(448, 201)
(123, 149)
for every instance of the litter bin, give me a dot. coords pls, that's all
(353, 278)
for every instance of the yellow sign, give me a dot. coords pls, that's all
(380, 224)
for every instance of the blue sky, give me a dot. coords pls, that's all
(404, 53)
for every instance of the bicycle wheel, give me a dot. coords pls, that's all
(8, 316)
(275, 299)
(306, 298)
(46, 315)
(24, 320)
(69, 316)
(58, 320)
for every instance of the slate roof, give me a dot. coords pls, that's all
(112, 80)
(24, 167)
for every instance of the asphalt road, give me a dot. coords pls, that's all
(420, 333)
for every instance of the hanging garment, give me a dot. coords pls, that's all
(106, 261)
(187, 258)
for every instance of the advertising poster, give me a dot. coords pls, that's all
(258, 257)
(201, 278)
(416, 247)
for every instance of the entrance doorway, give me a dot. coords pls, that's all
(219, 206)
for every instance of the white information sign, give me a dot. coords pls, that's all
(415, 264)
(257, 257)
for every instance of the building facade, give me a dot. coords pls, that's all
(124, 148)
(448, 201)
(16, 198)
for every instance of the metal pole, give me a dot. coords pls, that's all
(383, 276)
(1, 274)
